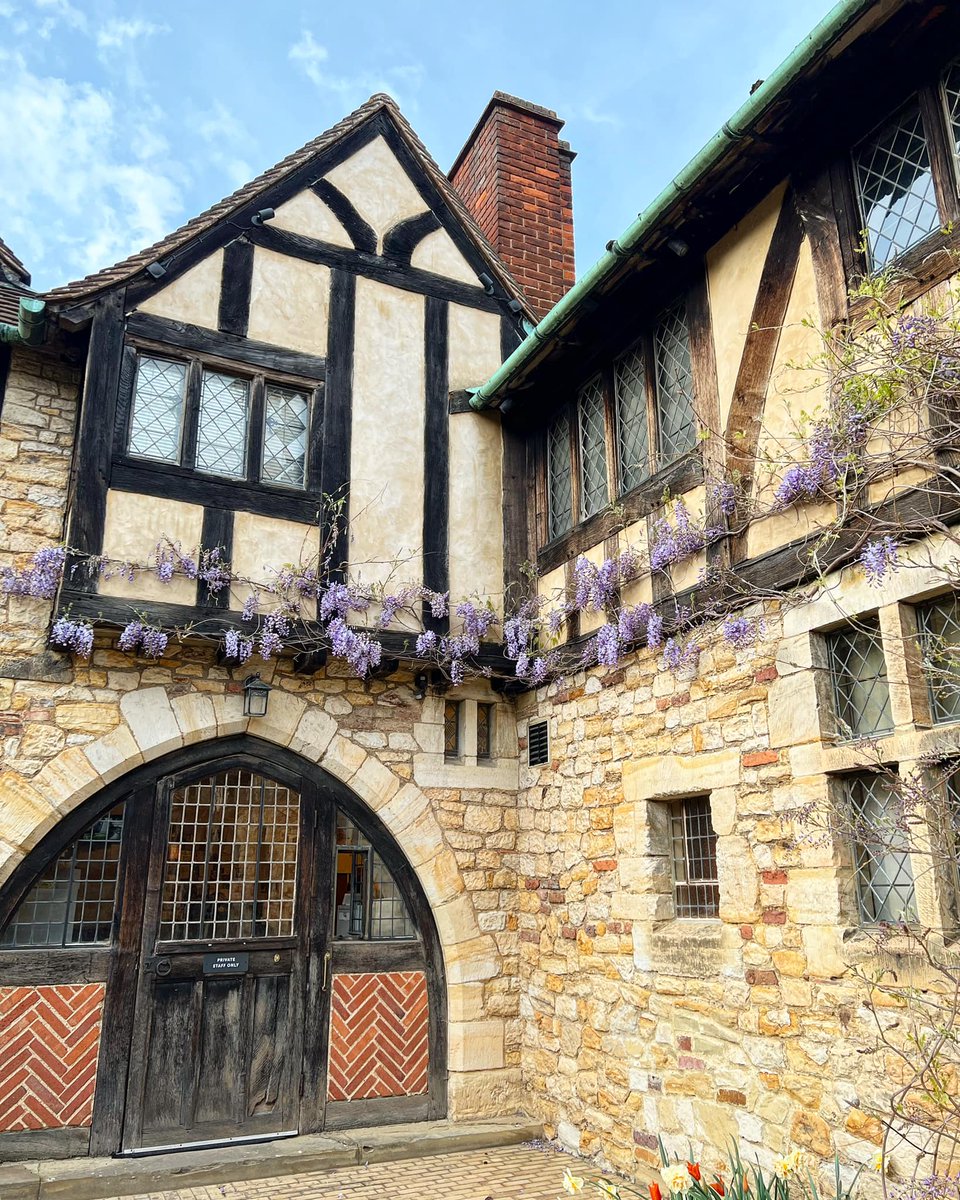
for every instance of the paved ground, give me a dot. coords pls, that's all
(510, 1173)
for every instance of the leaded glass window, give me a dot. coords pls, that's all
(484, 731)
(897, 196)
(367, 904)
(938, 623)
(694, 851)
(231, 864)
(633, 441)
(951, 88)
(451, 729)
(591, 424)
(559, 478)
(156, 423)
(222, 428)
(884, 874)
(73, 901)
(286, 418)
(677, 427)
(859, 673)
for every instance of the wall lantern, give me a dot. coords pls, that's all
(256, 695)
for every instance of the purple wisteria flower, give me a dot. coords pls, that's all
(725, 495)
(41, 579)
(654, 632)
(427, 644)
(739, 631)
(678, 656)
(73, 635)
(608, 646)
(131, 635)
(361, 651)
(339, 599)
(878, 558)
(214, 573)
(150, 639)
(673, 543)
(909, 330)
(439, 602)
(236, 647)
(250, 606)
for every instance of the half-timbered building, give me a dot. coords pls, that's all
(401, 896)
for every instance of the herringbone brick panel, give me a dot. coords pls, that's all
(378, 1036)
(49, 1042)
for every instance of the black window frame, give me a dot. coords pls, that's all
(695, 897)
(258, 383)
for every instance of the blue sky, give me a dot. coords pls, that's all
(122, 120)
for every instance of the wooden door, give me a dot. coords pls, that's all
(217, 1046)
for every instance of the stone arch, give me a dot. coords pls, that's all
(154, 723)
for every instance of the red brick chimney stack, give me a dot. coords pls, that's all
(513, 174)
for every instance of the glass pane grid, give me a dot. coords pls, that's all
(677, 429)
(285, 436)
(157, 418)
(884, 875)
(951, 87)
(484, 730)
(364, 883)
(222, 429)
(388, 913)
(559, 481)
(73, 901)
(594, 494)
(231, 860)
(694, 852)
(859, 674)
(451, 729)
(938, 624)
(633, 442)
(896, 187)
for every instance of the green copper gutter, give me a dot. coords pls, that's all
(830, 29)
(31, 326)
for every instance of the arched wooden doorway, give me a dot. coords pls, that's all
(266, 959)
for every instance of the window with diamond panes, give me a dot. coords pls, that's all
(630, 397)
(222, 426)
(859, 674)
(451, 729)
(696, 887)
(367, 904)
(938, 624)
(73, 901)
(592, 427)
(156, 422)
(884, 874)
(951, 88)
(897, 196)
(484, 731)
(676, 424)
(559, 479)
(285, 423)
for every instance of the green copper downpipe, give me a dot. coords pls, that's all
(816, 43)
(31, 326)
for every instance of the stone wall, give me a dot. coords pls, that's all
(750, 1027)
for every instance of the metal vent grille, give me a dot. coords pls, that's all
(859, 673)
(72, 903)
(677, 426)
(896, 187)
(538, 744)
(885, 888)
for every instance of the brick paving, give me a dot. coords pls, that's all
(508, 1173)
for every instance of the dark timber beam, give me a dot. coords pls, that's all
(338, 413)
(361, 234)
(436, 459)
(236, 280)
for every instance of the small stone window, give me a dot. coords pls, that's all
(484, 732)
(693, 843)
(859, 674)
(938, 626)
(73, 901)
(452, 732)
(538, 744)
(882, 866)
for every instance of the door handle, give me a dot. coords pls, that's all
(159, 966)
(326, 968)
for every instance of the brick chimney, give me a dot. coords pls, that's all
(513, 174)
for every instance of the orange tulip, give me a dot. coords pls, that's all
(655, 1193)
(694, 1169)
(719, 1188)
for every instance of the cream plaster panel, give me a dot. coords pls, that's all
(289, 302)
(474, 346)
(796, 386)
(734, 266)
(437, 253)
(194, 297)
(307, 214)
(132, 527)
(261, 545)
(778, 529)
(476, 505)
(378, 187)
(387, 456)
(685, 573)
(885, 489)
(552, 587)
(590, 620)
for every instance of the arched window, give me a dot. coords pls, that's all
(73, 901)
(368, 904)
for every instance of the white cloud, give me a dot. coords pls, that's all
(58, 12)
(225, 135)
(78, 198)
(115, 33)
(351, 90)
